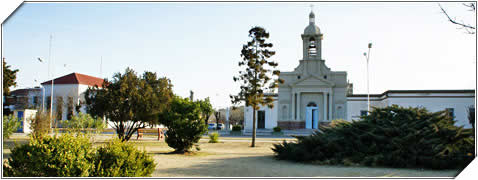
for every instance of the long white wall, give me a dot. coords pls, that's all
(433, 102)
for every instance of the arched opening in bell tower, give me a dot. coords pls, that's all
(312, 48)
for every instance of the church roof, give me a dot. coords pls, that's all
(312, 29)
(76, 78)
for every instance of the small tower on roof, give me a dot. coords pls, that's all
(312, 40)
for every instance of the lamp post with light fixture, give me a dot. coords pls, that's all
(52, 80)
(367, 56)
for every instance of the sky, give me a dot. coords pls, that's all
(197, 45)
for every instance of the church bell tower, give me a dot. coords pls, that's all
(312, 40)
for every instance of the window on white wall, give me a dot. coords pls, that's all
(470, 114)
(363, 113)
(451, 112)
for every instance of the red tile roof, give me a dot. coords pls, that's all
(76, 78)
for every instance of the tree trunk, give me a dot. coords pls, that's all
(253, 126)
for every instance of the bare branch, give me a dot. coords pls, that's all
(453, 21)
(471, 6)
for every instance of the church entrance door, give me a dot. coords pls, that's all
(311, 116)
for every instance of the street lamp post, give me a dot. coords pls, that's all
(52, 78)
(367, 56)
(43, 89)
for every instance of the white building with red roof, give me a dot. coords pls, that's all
(69, 93)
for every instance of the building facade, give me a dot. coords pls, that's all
(69, 93)
(458, 102)
(314, 94)
(29, 98)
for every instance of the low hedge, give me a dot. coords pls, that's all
(236, 128)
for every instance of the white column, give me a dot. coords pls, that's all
(331, 95)
(325, 106)
(292, 112)
(298, 106)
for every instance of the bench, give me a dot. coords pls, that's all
(160, 132)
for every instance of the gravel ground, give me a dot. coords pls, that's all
(232, 157)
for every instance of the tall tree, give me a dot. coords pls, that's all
(206, 109)
(256, 78)
(9, 77)
(130, 102)
(160, 93)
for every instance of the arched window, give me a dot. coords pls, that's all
(312, 47)
(311, 104)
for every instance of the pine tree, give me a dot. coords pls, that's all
(9, 76)
(256, 77)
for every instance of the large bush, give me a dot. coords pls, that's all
(119, 159)
(392, 136)
(184, 123)
(10, 125)
(71, 155)
(63, 156)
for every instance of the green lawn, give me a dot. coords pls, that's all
(231, 158)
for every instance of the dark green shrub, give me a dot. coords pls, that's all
(120, 159)
(45, 156)
(236, 128)
(214, 137)
(10, 125)
(185, 127)
(392, 136)
(277, 129)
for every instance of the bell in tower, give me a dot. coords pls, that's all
(312, 40)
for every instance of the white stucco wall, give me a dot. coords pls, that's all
(270, 119)
(76, 91)
(63, 90)
(460, 102)
(28, 114)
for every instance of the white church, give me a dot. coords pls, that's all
(314, 94)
